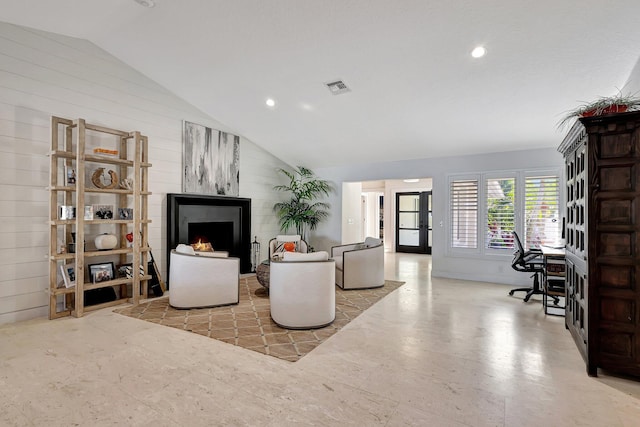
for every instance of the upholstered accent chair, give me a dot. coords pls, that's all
(302, 290)
(287, 243)
(359, 265)
(203, 279)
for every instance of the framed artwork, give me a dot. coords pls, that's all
(88, 212)
(102, 272)
(125, 213)
(66, 212)
(69, 175)
(210, 161)
(68, 274)
(102, 211)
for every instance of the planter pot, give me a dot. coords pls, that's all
(608, 110)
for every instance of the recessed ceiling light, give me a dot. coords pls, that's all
(479, 52)
(411, 180)
(270, 102)
(145, 3)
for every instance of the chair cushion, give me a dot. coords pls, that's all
(286, 246)
(339, 261)
(311, 256)
(370, 242)
(214, 254)
(185, 249)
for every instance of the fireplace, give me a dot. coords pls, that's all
(224, 222)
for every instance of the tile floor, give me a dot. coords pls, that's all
(434, 353)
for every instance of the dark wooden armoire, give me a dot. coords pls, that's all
(602, 234)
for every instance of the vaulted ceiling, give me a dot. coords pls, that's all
(415, 90)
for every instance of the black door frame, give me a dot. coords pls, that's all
(424, 212)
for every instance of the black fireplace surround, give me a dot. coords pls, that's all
(223, 221)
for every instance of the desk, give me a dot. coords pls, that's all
(553, 280)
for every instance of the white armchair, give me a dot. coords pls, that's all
(276, 245)
(359, 265)
(201, 280)
(302, 290)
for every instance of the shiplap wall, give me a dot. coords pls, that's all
(44, 74)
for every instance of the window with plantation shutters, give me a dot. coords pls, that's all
(464, 214)
(542, 217)
(500, 204)
(486, 208)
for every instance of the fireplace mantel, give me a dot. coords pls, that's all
(195, 208)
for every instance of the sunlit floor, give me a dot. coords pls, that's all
(434, 353)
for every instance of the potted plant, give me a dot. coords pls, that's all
(604, 105)
(302, 211)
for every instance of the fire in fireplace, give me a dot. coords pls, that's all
(217, 236)
(225, 222)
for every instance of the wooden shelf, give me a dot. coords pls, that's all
(95, 158)
(69, 150)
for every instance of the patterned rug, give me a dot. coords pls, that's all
(249, 325)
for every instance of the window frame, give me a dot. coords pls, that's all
(520, 177)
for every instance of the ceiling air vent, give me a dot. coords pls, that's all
(338, 87)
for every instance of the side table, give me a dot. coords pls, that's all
(263, 271)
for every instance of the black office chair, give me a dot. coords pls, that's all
(530, 261)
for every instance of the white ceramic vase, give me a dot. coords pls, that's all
(106, 241)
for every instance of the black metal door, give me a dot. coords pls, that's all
(414, 228)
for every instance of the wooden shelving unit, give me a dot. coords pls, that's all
(69, 143)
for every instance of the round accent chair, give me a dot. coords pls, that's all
(302, 290)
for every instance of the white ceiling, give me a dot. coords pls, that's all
(415, 90)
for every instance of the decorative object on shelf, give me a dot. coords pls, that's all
(211, 160)
(125, 213)
(66, 212)
(106, 241)
(129, 237)
(71, 247)
(68, 274)
(102, 272)
(88, 212)
(99, 150)
(302, 212)
(98, 179)
(604, 105)
(126, 184)
(126, 271)
(69, 175)
(103, 211)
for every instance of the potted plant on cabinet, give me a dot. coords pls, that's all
(604, 105)
(302, 211)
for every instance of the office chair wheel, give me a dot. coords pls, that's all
(511, 292)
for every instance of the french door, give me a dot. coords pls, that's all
(414, 228)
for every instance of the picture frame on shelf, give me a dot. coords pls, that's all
(66, 212)
(125, 213)
(125, 271)
(68, 274)
(88, 212)
(69, 175)
(102, 272)
(102, 211)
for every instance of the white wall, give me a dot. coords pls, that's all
(43, 74)
(493, 269)
(632, 86)
(351, 213)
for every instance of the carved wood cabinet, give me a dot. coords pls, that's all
(602, 233)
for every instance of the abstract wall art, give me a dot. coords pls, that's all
(210, 161)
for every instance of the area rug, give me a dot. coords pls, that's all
(249, 325)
